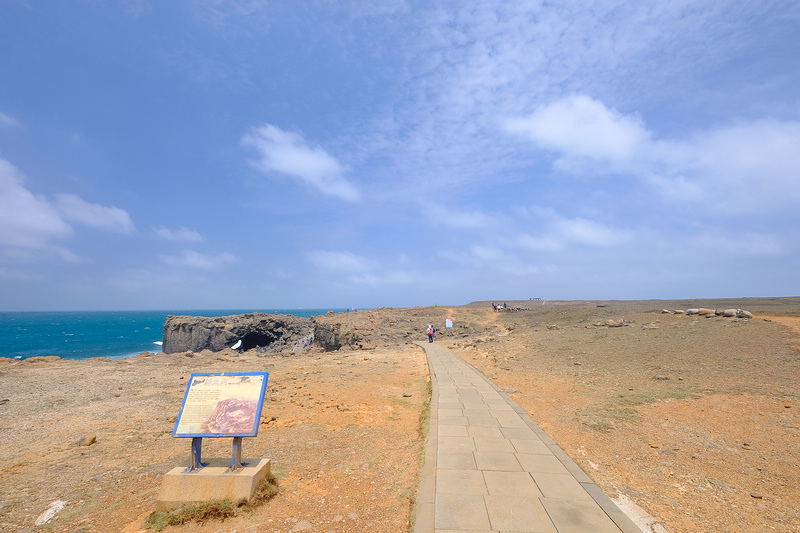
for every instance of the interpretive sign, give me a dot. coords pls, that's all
(222, 405)
(448, 323)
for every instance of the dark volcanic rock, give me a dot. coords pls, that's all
(272, 333)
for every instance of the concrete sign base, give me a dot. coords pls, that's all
(212, 482)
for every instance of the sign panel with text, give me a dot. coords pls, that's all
(222, 405)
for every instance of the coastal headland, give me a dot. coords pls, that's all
(693, 416)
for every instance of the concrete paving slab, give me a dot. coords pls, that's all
(483, 421)
(456, 461)
(534, 446)
(519, 433)
(460, 482)
(461, 512)
(488, 444)
(454, 431)
(519, 513)
(497, 461)
(453, 421)
(484, 431)
(541, 463)
(510, 484)
(456, 444)
(560, 486)
(574, 516)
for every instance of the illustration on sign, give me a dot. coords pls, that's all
(222, 405)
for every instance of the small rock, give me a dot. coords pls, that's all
(552, 327)
(756, 495)
(302, 525)
(666, 312)
(767, 320)
(51, 511)
(4, 401)
(406, 395)
(662, 377)
(87, 440)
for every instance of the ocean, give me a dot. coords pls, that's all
(85, 334)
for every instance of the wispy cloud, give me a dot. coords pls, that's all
(340, 261)
(289, 154)
(200, 261)
(31, 224)
(455, 218)
(180, 234)
(7, 121)
(74, 209)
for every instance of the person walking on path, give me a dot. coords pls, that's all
(431, 332)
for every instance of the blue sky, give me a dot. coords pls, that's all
(256, 154)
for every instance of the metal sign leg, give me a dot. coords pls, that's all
(236, 459)
(197, 450)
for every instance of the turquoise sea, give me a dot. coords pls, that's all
(84, 334)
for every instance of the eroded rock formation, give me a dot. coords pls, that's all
(266, 332)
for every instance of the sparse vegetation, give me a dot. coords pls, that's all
(217, 509)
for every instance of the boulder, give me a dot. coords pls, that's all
(741, 313)
(730, 312)
(706, 311)
(692, 311)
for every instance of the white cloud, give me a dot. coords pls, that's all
(181, 234)
(199, 261)
(289, 154)
(579, 126)
(26, 220)
(743, 168)
(97, 216)
(31, 225)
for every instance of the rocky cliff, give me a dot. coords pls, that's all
(265, 332)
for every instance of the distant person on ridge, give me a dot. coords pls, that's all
(431, 332)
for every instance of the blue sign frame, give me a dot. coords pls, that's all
(226, 404)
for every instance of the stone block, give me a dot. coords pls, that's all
(179, 489)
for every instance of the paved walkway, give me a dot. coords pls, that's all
(490, 468)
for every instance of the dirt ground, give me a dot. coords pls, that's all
(695, 419)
